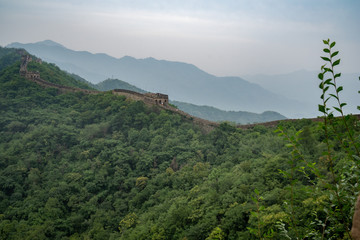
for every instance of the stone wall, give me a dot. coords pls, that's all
(149, 98)
(129, 94)
(157, 98)
(32, 75)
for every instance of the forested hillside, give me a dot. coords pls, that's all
(77, 166)
(52, 73)
(9, 56)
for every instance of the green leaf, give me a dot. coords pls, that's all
(339, 89)
(332, 44)
(326, 59)
(334, 96)
(255, 214)
(326, 42)
(326, 50)
(334, 54)
(337, 109)
(321, 76)
(328, 81)
(337, 75)
(343, 104)
(322, 108)
(328, 70)
(336, 62)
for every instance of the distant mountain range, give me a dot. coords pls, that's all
(204, 112)
(181, 81)
(217, 115)
(51, 73)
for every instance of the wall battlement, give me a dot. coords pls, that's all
(158, 98)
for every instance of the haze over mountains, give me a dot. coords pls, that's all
(217, 115)
(55, 75)
(303, 85)
(187, 83)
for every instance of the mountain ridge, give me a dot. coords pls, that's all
(181, 81)
(217, 115)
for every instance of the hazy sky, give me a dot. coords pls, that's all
(222, 37)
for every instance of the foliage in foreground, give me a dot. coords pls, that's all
(336, 180)
(77, 166)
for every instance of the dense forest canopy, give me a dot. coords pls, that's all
(78, 166)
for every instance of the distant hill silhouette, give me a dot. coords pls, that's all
(110, 84)
(217, 115)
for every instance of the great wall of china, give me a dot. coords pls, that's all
(150, 99)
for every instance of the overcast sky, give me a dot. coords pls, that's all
(222, 37)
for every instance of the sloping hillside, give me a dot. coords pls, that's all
(52, 73)
(9, 56)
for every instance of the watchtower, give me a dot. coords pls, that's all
(158, 98)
